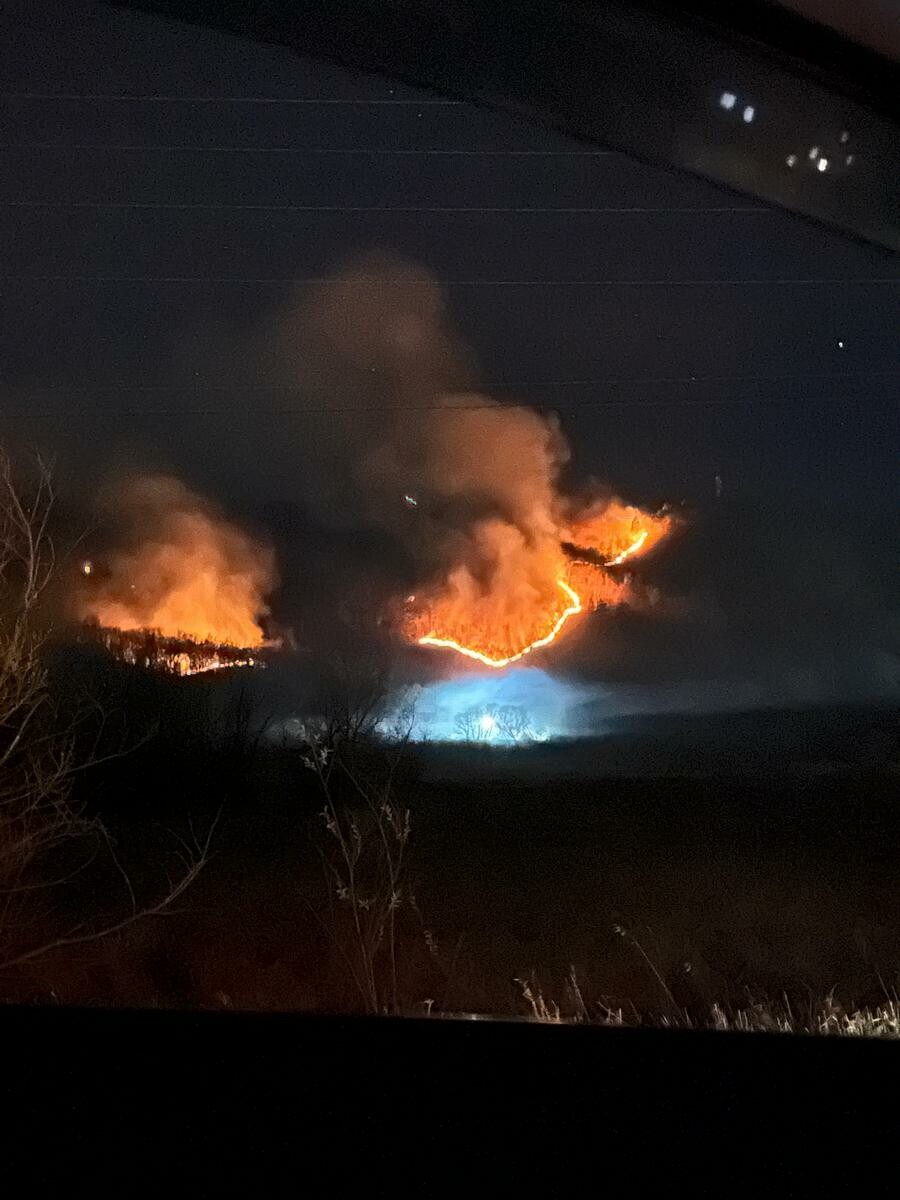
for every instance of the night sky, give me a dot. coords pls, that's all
(144, 240)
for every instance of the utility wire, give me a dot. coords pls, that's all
(608, 381)
(311, 150)
(279, 280)
(257, 415)
(369, 208)
(163, 99)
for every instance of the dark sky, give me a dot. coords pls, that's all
(143, 239)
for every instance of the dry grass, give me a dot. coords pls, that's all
(825, 1019)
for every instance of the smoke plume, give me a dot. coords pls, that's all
(178, 567)
(472, 487)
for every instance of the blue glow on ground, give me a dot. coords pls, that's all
(517, 706)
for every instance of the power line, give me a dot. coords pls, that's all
(157, 98)
(279, 280)
(324, 410)
(365, 208)
(311, 150)
(488, 386)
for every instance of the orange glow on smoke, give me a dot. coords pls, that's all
(618, 531)
(182, 570)
(572, 610)
(534, 591)
(634, 548)
(198, 608)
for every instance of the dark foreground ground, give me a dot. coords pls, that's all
(747, 862)
(203, 1103)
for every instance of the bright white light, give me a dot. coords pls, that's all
(840, 345)
(488, 724)
(552, 707)
(749, 113)
(411, 501)
(727, 101)
(791, 160)
(822, 164)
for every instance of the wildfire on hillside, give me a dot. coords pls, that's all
(179, 571)
(506, 561)
(171, 655)
(531, 598)
(617, 532)
(473, 491)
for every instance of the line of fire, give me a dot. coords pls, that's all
(187, 625)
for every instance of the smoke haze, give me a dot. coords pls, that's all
(416, 483)
(177, 566)
(472, 488)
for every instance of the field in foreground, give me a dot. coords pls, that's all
(760, 900)
(735, 872)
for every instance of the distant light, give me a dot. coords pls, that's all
(727, 101)
(840, 345)
(845, 138)
(410, 500)
(814, 153)
(87, 567)
(749, 113)
(849, 159)
(822, 164)
(791, 160)
(488, 724)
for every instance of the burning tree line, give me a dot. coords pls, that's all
(179, 655)
(505, 555)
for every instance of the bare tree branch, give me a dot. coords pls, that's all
(42, 749)
(79, 934)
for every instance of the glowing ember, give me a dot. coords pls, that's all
(516, 610)
(180, 569)
(172, 656)
(634, 548)
(572, 610)
(618, 531)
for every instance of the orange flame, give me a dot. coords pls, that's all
(470, 652)
(516, 611)
(185, 571)
(173, 656)
(618, 531)
(629, 550)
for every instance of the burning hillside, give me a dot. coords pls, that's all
(616, 532)
(182, 589)
(505, 559)
(154, 651)
(499, 624)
